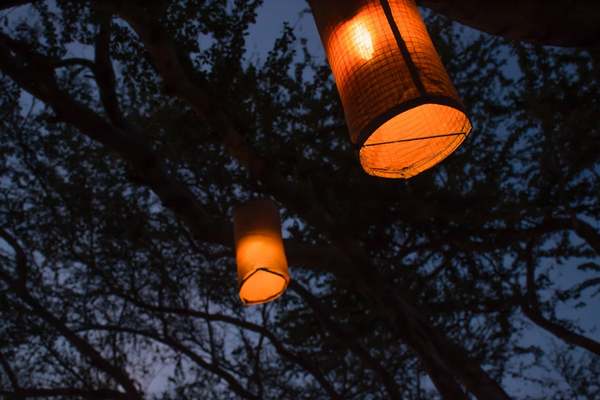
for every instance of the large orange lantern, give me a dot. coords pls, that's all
(260, 256)
(402, 111)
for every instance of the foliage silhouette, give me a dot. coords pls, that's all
(119, 172)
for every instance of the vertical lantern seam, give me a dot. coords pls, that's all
(412, 68)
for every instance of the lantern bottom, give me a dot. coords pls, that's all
(262, 286)
(414, 140)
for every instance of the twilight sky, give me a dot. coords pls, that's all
(270, 21)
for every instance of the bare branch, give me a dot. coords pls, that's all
(104, 73)
(451, 363)
(5, 4)
(181, 348)
(557, 23)
(321, 314)
(587, 233)
(172, 69)
(80, 344)
(277, 344)
(581, 228)
(35, 75)
(12, 377)
(75, 61)
(33, 72)
(531, 309)
(21, 260)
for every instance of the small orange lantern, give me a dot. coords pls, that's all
(260, 256)
(402, 111)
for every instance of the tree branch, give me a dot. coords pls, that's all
(296, 196)
(179, 347)
(4, 4)
(177, 81)
(556, 23)
(104, 73)
(308, 366)
(21, 259)
(82, 346)
(531, 308)
(171, 69)
(12, 377)
(581, 228)
(75, 61)
(587, 233)
(321, 314)
(444, 361)
(34, 73)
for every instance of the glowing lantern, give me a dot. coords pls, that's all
(261, 263)
(401, 108)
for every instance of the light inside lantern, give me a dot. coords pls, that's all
(260, 256)
(402, 111)
(362, 40)
(414, 141)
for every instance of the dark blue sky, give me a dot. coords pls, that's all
(269, 25)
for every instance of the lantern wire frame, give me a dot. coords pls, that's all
(257, 282)
(403, 113)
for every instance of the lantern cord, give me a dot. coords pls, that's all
(414, 72)
(415, 139)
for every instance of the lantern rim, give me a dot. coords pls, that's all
(249, 275)
(381, 119)
(392, 151)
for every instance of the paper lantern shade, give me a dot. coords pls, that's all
(261, 263)
(402, 111)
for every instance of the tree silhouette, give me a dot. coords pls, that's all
(130, 129)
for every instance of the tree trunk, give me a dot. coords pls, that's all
(573, 23)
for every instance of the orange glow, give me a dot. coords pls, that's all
(352, 43)
(261, 287)
(398, 148)
(401, 107)
(362, 41)
(260, 257)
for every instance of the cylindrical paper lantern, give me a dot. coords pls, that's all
(403, 113)
(260, 256)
